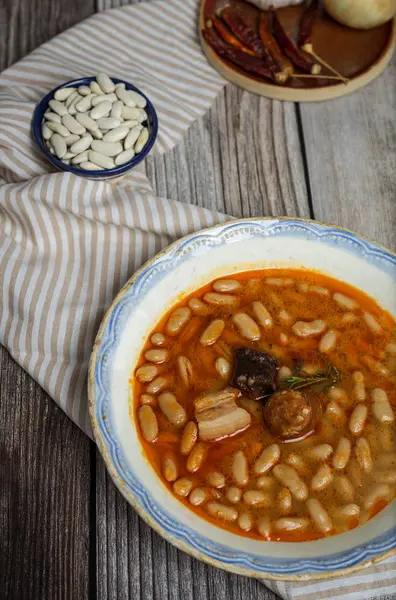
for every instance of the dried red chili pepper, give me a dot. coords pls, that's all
(270, 43)
(298, 59)
(306, 24)
(251, 64)
(225, 33)
(245, 33)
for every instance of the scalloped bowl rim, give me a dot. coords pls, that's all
(155, 511)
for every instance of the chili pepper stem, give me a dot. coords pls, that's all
(309, 50)
(305, 76)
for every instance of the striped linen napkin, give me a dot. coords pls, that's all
(67, 245)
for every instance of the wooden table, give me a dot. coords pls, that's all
(65, 531)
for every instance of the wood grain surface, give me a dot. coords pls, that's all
(65, 531)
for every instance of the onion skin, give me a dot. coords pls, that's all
(361, 14)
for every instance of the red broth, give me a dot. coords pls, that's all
(341, 486)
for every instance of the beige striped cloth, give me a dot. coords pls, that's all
(67, 244)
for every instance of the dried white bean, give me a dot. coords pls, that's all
(380, 491)
(73, 125)
(319, 515)
(59, 128)
(185, 369)
(116, 111)
(349, 511)
(197, 456)
(225, 513)
(82, 144)
(63, 93)
(101, 160)
(177, 320)
(246, 326)
(344, 488)
(171, 408)
(291, 524)
(130, 113)
(132, 136)
(223, 367)
(158, 339)
(288, 477)
(234, 495)
(310, 328)
(148, 399)
(358, 419)
(245, 521)
(321, 452)
(345, 302)
(58, 107)
(130, 123)
(142, 140)
(148, 423)
(267, 459)
(322, 479)
(105, 83)
(79, 158)
(105, 98)
(216, 479)
(170, 468)
(138, 99)
(264, 527)
(52, 117)
(59, 144)
(84, 90)
(335, 413)
(198, 496)
(157, 385)
(359, 389)
(87, 122)
(342, 453)
(95, 88)
(257, 498)
(106, 148)
(226, 285)
(212, 332)
(265, 482)
(221, 299)
(99, 111)
(284, 501)
(372, 323)
(89, 166)
(182, 486)
(382, 409)
(157, 355)
(240, 468)
(328, 341)
(84, 104)
(262, 315)
(142, 115)
(124, 157)
(116, 135)
(363, 454)
(46, 131)
(72, 139)
(189, 437)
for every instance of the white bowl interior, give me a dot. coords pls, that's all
(257, 252)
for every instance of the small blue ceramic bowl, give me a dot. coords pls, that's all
(152, 125)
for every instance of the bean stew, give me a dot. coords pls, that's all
(265, 402)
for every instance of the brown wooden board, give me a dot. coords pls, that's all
(359, 55)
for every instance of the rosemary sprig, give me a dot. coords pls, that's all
(296, 382)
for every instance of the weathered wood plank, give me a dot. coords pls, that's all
(44, 491)
(351, 155)
(243, 158)
(25, 24)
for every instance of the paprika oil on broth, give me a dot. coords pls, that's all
(310, 454)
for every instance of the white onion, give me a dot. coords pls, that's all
(361, 14)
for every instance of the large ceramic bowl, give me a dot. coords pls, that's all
(184, 266)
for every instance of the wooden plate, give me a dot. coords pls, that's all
(360, 55)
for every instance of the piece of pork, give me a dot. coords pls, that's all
(218, 415)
